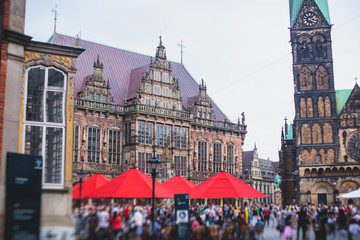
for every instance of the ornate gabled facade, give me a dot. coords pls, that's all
(260, 174)
(321, 140)
(152, 107)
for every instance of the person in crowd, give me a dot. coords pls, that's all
(103, 224)
(342, 225)
(272, 216)
(354, 229)
(115, 223)
(331, 225)
(287, 235)
(320, 224)
(302, 223)
(267, 215)
(137, 219)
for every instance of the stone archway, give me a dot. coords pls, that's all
(322, 192)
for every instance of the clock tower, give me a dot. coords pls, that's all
(315, 123)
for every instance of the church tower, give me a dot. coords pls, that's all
(314, 92)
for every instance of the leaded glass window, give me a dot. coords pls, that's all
(181, 166)
(141, 132)
(76, 146)
(44, 121)
(217, 157)
(177, 137)
(148, 138)
(167, 136)
(159, 135)
(183, 136)
(230, 159)
(114, 146)
(143, 159)
(202, 156)
(127, 133)
(94, 145)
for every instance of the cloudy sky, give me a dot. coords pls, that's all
(239, 47)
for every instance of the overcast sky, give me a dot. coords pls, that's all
(239, 47)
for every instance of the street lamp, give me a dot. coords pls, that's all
(81, 175)
(153, 162)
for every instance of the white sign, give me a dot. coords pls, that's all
(182, 216)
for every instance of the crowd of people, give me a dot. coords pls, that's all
(213, 221)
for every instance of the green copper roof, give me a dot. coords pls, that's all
(295, 6)
(289, 135)
(341, 98)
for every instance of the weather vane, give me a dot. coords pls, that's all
(182, 47)
(55, 18)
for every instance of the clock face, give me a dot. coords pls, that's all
(353, 146)
(310, 19)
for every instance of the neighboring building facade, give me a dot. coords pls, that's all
(260, 173)
(323, 147)
(37, 89)
(129, 107)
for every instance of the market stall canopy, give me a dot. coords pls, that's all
(131, 184)
(353, 194)
(89, 185)
(224, 185)
(179, 185)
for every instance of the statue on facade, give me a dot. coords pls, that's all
(277, 181)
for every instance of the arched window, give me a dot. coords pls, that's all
(318, 159)
(321, 109)
(305, 79)
(320, 49)
(322, 78)
(303, 51)
(327, 129)
(302, 107)
(309, 107)
(305, 134)
(316, 133)
(327, 107)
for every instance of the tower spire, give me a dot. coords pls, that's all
(56, 13)
(181, 47)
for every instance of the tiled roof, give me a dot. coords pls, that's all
(118, 66)
(247, 157)
(268, 167)
(289, 135)
(341, 98)
(135, 80)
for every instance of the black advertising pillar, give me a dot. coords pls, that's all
(23, 196)
(182, 218)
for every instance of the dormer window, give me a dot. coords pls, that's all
(156, 76)
(165, 77)
(90, 96)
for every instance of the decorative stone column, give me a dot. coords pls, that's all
(278, 199)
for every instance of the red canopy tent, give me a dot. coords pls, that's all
(224, 185)
(89, 185)
(179, 185)
(131, 184)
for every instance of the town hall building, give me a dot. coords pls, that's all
(129, 107)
